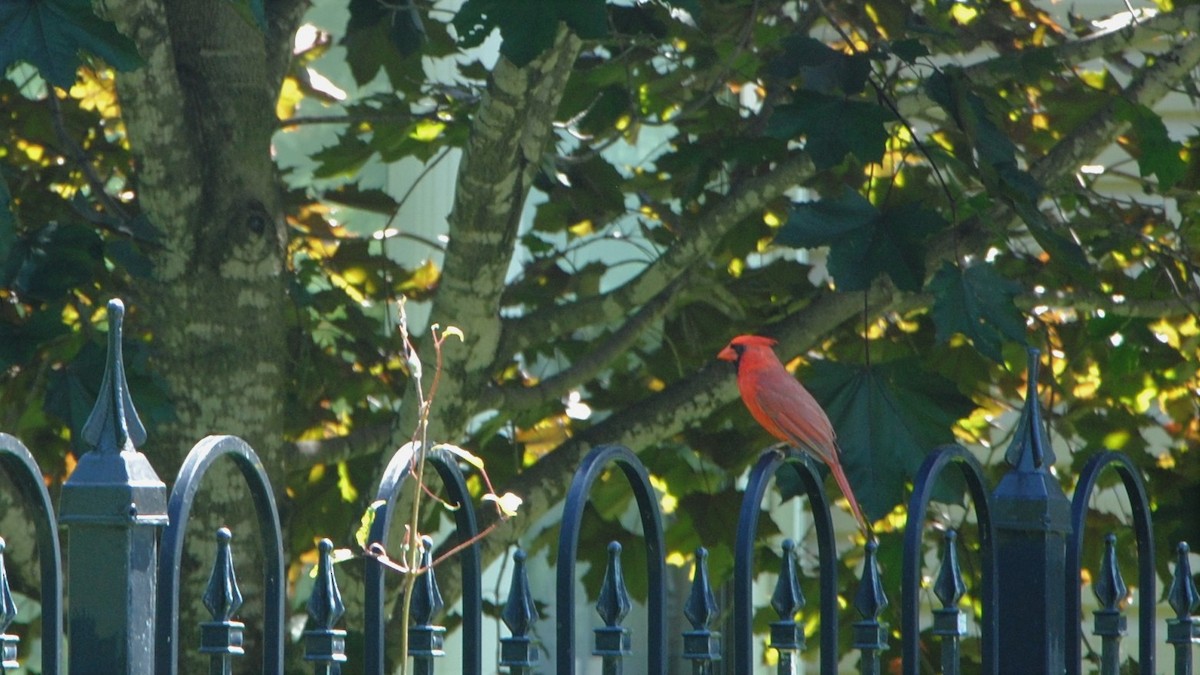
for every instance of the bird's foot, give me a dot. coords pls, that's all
(780, 449)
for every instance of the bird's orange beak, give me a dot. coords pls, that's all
(727, 354)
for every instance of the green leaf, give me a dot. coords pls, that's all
(864, 242)
(978, 303)
(373, 200)
(56, 259)
(1155, 152)
(887, 417)
(528, 27)
(823, 222)
(909, 50)
(345, 157)
(821, 68)
(49, 34)
(400, 22)
(824, 120)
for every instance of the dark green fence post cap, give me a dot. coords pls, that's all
(114, 483)
(1029, 496)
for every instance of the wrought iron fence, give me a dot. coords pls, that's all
(126, 542)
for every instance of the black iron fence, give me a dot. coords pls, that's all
(126, 542)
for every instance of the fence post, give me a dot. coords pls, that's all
(111, 506)
(1033, 519)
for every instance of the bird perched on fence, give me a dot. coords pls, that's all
(785, 408)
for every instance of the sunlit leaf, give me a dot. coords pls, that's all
(461, 453)
(508, 503)
(363, 534)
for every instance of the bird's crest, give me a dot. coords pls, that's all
(753, 341)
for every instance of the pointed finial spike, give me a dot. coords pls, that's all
(1030, 449)
(701, 606)
(223, 598)
(427, 597)
(870, 600)
(325, 605)
(114, 424)
(949, 587)
(1109, 587)
(787, 599)
(1183, 597)
(614, 602)
(520, 611)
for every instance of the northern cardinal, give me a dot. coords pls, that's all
(785, 408)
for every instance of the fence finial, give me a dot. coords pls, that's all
(612, 641)
(517, 652)
(223, 598)
(870, 636)
(787, 637)
(1030, 449)
(701, 645)
(114, 424)
(222, 638)
(949, 587)
(425, 639)
(324, 644)
(1184, 629)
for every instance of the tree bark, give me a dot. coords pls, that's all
(200, 115)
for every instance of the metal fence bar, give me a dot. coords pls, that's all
(26, 477)
(910, 577)
(949, 622)
(870, 635)
(1135, 489)
(612, 640)
(324, 644)
(1109, 625)
(592, 466)
(1033, 518)
(112, 506)
(183, 495)
(517, 652)
(743, 556)
(398, 470)
(424, 637)
(701, 645)
(1184, 629)
(222, 638)
(787, 637)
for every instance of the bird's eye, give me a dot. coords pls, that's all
(738, 349)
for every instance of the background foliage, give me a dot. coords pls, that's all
(906, 194)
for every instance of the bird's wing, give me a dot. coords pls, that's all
(796, 415)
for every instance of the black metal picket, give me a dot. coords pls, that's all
(125, 590)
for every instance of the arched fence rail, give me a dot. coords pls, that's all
(126, 535)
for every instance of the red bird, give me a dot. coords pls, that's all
(785, 408)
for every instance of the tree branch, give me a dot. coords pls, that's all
(587, 367)
(997, 69)
(509, 134)
(747, 198)
(690, 400)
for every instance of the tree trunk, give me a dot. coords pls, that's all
(200, 115)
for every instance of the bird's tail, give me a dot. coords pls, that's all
(839, 477)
